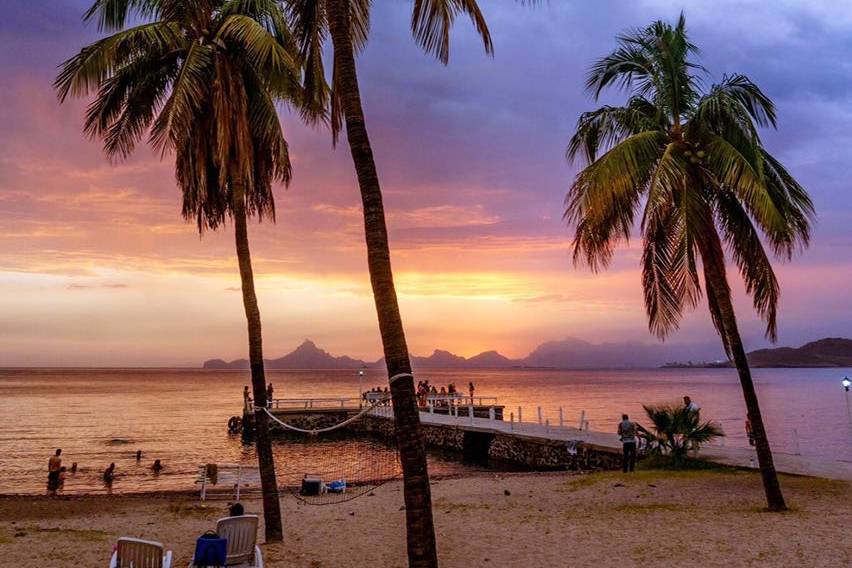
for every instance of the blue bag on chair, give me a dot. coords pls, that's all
(210, 550)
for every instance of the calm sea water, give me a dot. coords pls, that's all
(98, 416)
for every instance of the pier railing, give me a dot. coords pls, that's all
(307, 403)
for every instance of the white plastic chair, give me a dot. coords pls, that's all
(136, 553)
(241, 533)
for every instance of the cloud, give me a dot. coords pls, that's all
(110, 286)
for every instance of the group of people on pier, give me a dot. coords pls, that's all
(446, 396)
(378, 395)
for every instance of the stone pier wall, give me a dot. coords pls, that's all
(514, 449)
(552, 454)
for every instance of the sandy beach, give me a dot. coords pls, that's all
(651, 518)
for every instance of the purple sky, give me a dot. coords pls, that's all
(96, 267)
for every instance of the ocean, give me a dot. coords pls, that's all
(179, 416)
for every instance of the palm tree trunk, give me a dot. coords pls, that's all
(717, 286)
(422, 551)
(268, 482)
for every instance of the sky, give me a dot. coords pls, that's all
(98, 268)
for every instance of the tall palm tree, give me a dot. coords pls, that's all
(200, 77)
(693, 162)
(347, 24)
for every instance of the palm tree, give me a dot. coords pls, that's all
(677, 429)
(201, 78)
(693, 162)
(347, 24)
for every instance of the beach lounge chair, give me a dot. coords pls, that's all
(136, 553)
(241, 533)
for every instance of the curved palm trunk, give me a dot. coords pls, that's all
(422, 551)
(268, 482)
(719, 295)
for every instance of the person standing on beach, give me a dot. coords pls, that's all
(54, 465)
(749, 432)
(627, 434)
(109, 474)
(269, 391)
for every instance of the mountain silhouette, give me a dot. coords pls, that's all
(572, 354)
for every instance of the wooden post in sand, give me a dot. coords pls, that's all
(539, 416)
(561, 418)
(511, 422)
(520, 417)
(582, 418)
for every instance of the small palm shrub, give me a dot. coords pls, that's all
(676, 430)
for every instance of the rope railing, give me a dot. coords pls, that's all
(314, 431)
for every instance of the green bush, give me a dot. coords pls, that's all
(676, 430)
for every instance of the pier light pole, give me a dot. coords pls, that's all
(846, 383)
(360, 387)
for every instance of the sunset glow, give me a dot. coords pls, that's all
(98, 268)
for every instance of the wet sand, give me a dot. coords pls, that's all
(651, 518)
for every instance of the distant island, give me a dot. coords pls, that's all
(828, 352)
(564, 354)
(570, 354)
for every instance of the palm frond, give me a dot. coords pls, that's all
(607, 126)
(603, 200)
(84, 73)
(794, 204)
(742, 177)
(431, 21)
(112, 15)
(744, 243)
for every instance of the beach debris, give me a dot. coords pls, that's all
(651, 485)
(618, 485)
(506, 492)
(351, 513)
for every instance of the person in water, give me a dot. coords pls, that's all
(54, 465)
(138, 456)
(73, 468)
(109, 474)
(157, 467)
(236, 510)
(62, 476)
(269, 392)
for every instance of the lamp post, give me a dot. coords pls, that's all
(846, 383)
(360, 389)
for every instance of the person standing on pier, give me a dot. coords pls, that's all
(269, 392)
(246, 396)
(471, 389)
(627, 434)
(690, 406)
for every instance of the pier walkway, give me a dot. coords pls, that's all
(483, 417)
(737, 457)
